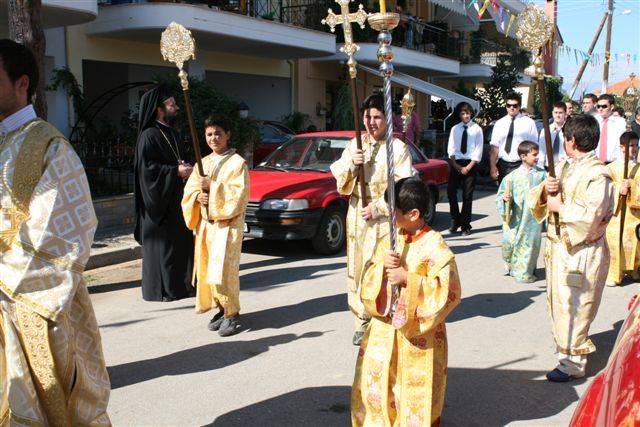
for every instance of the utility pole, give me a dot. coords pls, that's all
(589, 52)
(607, 50)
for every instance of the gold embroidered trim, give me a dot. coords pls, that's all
(34, 333)
(60, 261)
(4, 418)
(39, 308)
(21, 420)
(29, 166)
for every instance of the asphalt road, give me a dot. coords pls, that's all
(293, 363)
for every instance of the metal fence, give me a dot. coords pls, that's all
(108, 165)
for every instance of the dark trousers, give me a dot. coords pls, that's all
(467, 183)
(505, 167)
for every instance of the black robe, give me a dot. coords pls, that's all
(167, 243)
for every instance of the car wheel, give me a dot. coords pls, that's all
(332, 232)
(430, 216)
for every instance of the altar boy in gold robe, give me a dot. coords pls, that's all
(52, 370)
(575, 259)
(214, 206)
(626, 261)
(401, 368)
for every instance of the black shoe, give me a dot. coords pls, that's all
(557, 376)
(453, 229)
(357, 338)
(167, 299)
(214, 324)
(466, 231)
(228, 326)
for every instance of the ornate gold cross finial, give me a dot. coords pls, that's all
(408, 103)
(177, 46)
(345, 18)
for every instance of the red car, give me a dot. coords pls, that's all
(613, 397)
(293, 195)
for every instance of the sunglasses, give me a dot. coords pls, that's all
(513, 105)
(602, 105)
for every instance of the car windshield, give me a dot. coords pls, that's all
(307, 153)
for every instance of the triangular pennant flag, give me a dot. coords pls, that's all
(513, 18)
(483, 9)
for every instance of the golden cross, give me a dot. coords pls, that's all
(345, 18)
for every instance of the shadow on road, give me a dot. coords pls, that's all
(492, 305)
(280, 276)
(289, 249)
(313, 406)
(100, 289)
(496, 397)
(604, 342)
(286, 315)
(200, 359)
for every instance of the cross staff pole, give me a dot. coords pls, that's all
(545, 124)
(350, 48)
(177, 46)
(534, 32)
(384, 23)
(623, 206)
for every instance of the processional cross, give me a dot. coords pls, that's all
(350, 48)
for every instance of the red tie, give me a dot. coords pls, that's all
(602, 151)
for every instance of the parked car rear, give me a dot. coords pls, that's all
(293, 194)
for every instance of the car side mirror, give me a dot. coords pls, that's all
(638, 232)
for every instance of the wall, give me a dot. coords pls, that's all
(268, 97)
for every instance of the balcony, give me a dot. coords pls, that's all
(60, 13)
(218, 26)
(478, 56)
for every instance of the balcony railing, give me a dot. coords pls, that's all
(412, 33)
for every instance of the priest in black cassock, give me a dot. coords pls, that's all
(160, 175)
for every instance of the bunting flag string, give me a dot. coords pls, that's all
(578, 55)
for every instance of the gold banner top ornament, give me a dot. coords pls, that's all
(345, 19)
(178, 46)
(534, 29)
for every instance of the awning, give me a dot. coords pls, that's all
(456, 6)
(450, 97)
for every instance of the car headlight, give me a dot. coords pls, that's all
(285, 204)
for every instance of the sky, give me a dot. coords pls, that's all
(578, 21)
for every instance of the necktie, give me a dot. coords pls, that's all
(463, 144)
(556, 146)
(507, 146)
(602, 147)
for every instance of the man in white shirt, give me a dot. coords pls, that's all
(465, 151)
(611, 127)
(589, 104)
(508, 133)
(557, 136)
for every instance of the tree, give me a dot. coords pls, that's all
(503, 80)
(552, 87)
(25, 27)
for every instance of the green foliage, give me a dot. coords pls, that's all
(552, 87)
(342, 110)
(297, 121)
(461, 89)
(64, 78)
(503, 80)
(206, 100)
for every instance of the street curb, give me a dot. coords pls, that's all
(113, 257)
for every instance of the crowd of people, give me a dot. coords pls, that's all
(190, 225)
